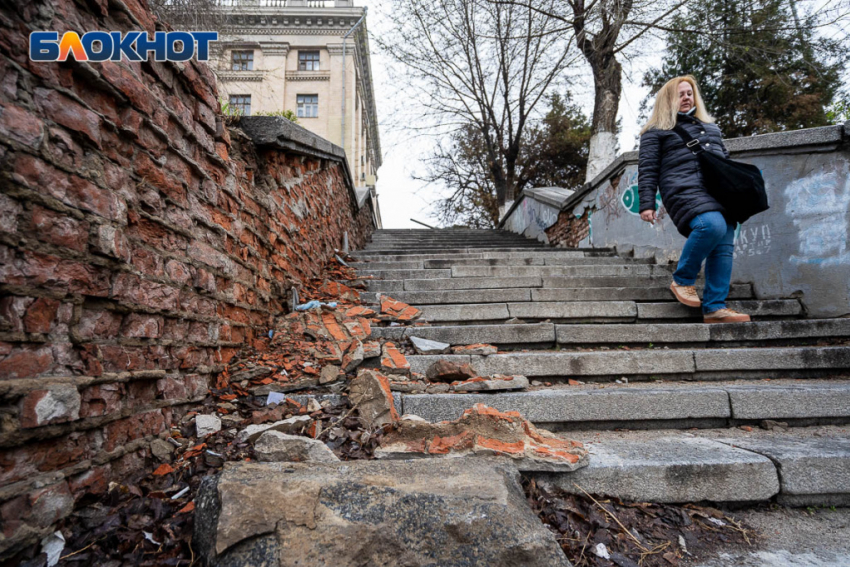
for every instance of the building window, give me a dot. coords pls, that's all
(240, 105)
(308, 106)
(308, 60)
(242, 61)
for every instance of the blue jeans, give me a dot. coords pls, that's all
(712, 240)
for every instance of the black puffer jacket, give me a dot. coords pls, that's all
(665, 163)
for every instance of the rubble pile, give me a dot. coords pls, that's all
(317, 389)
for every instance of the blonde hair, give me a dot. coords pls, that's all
(667, 105)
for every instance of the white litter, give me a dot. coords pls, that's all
(181, 493)
(53, 545)
(149, 537)
(601, 551)
(717, 522)
(275, 398)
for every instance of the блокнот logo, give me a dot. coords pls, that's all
(113, 46)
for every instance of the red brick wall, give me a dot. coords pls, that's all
(569, 229)
(141, 244)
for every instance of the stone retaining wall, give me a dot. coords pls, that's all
(142, 243)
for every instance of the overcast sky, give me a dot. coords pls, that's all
(401, 198)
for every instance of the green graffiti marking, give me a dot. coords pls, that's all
(631, 200)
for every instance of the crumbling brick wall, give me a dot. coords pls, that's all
(141, 244)
(569, 229)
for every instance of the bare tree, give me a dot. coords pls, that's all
(480, 65)
(607, 29)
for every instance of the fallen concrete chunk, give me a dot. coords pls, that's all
(485, 431)
(392, 361)
(448, 371)
(206, 425)
(491, 384)
(425, 346)
(291, 425)
(353, 357)
(371, 349)
(398, 310)
(274, 446)
(330, 373)
(371, 393)
(451, 513)
(473, 349)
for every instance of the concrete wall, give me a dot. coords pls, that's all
(534, 211)
(797, 248)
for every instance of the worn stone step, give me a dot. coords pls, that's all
(437, 247)
(584, 310)
(535, 333)
(574, 271)
(756, 308)
(497, 312)
(709, 362)
(419, 298)
(657, 293)
(672, 468)
(479, 253)
(559, 282)
(406, 274)
(500, 295)
(535, 261)
(811, 466)
(699, 332)
(471, 283)
(388, 265)
(651, 405)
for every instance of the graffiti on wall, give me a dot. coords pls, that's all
(752, 240)
(818, 206)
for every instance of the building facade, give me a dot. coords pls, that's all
(310, 57)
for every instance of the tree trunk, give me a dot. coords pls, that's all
(608, 85)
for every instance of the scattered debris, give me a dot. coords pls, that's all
(371, 395)
(274, 446)
(426, 346)
(483, 430)
(447, 371)
(392, 361)
(207, 425)
(475, 349)
(632, 533)
(490, 384)
(398, 310)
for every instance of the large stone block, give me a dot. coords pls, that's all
(447, 512)
(671, 469)
(812, 470)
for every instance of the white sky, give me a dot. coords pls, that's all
(402, 198)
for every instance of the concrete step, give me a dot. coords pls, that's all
(436, 284)
(806, 467)
(699, 332)
(536, 261)
(619, 334)
(481, 253)
(639, 293)
(506, 295)
(573, 271)
(406, 274)
(672, 405)
(449, 245)
(708, 363)
(498, 312)
(755, 308)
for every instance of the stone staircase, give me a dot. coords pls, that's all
(669, 407)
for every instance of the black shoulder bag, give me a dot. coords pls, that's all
(738, 187)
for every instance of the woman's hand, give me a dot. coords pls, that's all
(649, 216)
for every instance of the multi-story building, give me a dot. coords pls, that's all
(307, 56)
